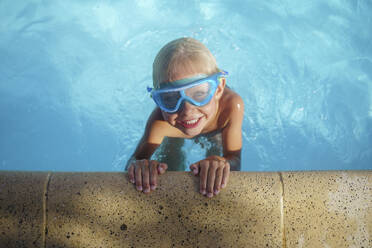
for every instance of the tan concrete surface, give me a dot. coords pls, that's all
(328, 209)
(21, 209)
(289, 209)
(105, 210)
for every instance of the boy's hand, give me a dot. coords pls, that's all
(144, 173)
(214, 173)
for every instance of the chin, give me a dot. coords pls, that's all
(191, 132)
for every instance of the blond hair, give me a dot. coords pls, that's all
(184, 55)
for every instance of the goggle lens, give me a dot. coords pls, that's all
(199, 92)
(170, 99)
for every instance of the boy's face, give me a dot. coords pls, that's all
(193, 120)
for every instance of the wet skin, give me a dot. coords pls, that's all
(224, 112)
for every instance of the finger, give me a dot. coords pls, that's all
(217, 182)
(226, 173)
(194, 168)
(145, 176)
(204, 166)
(138, 176)
(153, 174)
(131, 173)
(211, 177)
(162, 167)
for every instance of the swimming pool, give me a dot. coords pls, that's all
(73, 79)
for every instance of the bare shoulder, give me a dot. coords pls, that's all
(232, 106)
(232, 100)
(157, 128)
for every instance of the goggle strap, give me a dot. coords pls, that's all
(183, 81)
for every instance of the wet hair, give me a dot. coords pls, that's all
(185, 55)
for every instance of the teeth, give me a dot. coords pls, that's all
(191, 122)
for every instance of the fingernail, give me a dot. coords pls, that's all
(216, 192)
(139, 188)
(153, 187)
(209, 195)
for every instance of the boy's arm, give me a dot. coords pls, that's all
(150, 140)
(232, 134)
(144, 150)
(214, 171)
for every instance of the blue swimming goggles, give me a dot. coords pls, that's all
(197, 90)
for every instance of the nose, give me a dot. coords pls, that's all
(187, 108)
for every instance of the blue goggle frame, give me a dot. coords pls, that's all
(213, 80)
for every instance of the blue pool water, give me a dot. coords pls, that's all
(73, 77)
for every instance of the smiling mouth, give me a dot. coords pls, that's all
(190, 123)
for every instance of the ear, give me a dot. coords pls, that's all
(220, 88)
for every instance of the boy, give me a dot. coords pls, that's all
(192, 100)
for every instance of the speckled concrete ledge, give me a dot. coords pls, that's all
(289, 209)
